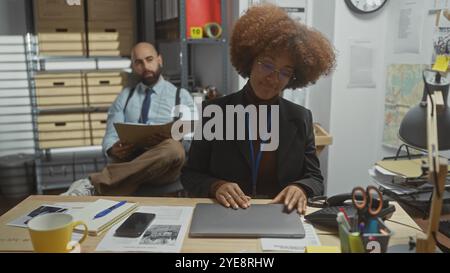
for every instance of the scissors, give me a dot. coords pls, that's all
(365, 208)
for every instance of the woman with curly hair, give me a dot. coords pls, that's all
(275, 52)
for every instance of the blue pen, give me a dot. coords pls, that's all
(108, 210)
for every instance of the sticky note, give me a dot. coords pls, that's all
(196, 32)
(322, 249)
(441, 63)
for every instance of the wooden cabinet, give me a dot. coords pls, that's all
(111, 10)
(61, 28)
(65, 130)
(81, 92)
(57, 10)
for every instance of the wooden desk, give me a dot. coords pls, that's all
(13, 239)
(423, 223)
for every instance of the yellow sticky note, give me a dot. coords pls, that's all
(322, 249)
(196, 32)
(441, 63)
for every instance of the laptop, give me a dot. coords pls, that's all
(257, 221)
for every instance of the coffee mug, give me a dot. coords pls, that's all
(53, 232)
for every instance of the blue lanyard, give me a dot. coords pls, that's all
(255, 163)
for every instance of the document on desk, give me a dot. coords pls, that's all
(165, 234)
(23, 220)
(292, 245)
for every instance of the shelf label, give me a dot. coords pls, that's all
(196, 32)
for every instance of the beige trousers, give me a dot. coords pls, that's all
(160, 165)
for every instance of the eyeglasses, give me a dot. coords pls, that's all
(268, 68)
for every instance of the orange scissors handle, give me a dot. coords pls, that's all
(356, 193)
(372, 193)
(366, 203)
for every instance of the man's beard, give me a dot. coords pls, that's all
(153, 79)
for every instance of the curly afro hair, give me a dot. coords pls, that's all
(265, 28)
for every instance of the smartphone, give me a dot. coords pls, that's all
(135, 225)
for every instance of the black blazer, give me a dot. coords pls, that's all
(210, 161)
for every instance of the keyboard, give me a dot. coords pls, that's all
(444, 228)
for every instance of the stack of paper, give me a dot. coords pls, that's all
(68, 64)
(113, 63)
(99, 225)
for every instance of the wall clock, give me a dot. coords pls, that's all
(365, 6)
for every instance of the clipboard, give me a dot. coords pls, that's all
(138, 134)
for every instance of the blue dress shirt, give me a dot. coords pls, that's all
(161, 108)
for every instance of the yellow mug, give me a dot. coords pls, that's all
(53, 232)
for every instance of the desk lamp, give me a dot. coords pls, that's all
(413, 129)
(427, 126)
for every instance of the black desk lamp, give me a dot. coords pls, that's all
(413, 129)
(427, 128)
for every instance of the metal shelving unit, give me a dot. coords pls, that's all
(187, 77)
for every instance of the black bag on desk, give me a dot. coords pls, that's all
(326, 217)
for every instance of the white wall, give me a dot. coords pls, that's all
(357, 115)
(319, 95)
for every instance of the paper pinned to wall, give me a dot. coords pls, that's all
(361, 64)
(410, 24)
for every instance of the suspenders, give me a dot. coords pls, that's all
(177, 101)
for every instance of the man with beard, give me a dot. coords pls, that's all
(151, 102)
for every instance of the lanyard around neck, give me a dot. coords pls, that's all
(255, 162)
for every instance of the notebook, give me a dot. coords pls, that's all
(99, 225)
(257, 221)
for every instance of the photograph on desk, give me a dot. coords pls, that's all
(218, 126)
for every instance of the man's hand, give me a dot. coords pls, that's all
(292, 196)
(121, 150)
(230, 194)
(156, 139)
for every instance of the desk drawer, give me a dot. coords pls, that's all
(98, 121)
(67, 135)
(98, 126)
(60, 101)
(58, 91)
(101, 36)
(105, 90)
(122, 26)
(106, 53)
(58, 80)
(97, 141)
(50, 144)
(59, 53)
(101, 100)
(43, 119)
(63, 26)
(104, 79)
(63, 126)
(57, 10)
(111, 10)
(107, 45)
(56, 131)
(49, 36)
(61, 46)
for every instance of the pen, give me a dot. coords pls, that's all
(345, 214)
(341, 220)
(108, 210)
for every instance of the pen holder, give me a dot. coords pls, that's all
(353, 242)
(377, 242)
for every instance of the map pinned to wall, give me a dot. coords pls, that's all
(404, 89)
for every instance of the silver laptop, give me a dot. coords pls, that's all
(257, 221)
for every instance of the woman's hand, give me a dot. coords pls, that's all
(292, 196)
(229, 194)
